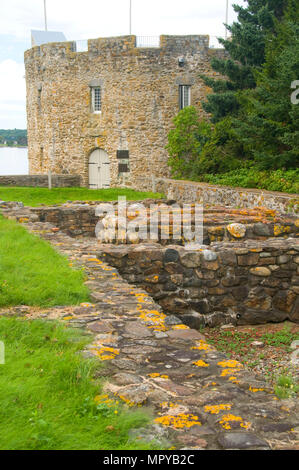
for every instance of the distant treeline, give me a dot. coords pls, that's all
(13, 137)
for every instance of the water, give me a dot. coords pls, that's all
(13, 161)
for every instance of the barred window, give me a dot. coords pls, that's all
(184, 96)
(96, 99)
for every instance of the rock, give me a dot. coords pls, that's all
(260, 271)
(241, 440)
(126, 379)
(263, 230)
(237, 230)
(185, 335)
(136, 329)
(228, 326)
(100, 327)
(257, 344)
(190, 259)
(134, 394)
(171, 256)
(284, 300)
(210, 255)
(249, 259)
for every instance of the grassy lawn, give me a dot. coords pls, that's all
(35, 196)
(49, 396)
(33, 273)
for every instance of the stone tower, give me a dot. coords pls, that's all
(105, 113)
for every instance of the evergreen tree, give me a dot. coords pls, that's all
(268, 125)
(246, 50)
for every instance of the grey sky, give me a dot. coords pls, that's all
(80, 19)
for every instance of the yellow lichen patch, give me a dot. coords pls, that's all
(128, 402)
(215, 409)
(229, 418)
(104, 399)
(230, 363)
(105, 353)
(233, 379)
(203, 346)
(280, 229)
(180, 421)
(68, 318)
(201, 363)
(226, 372)
(180, 327)
(167, 404)
(254, 390)
(154, 317)
(154, 375)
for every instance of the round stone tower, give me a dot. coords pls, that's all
(105, 113)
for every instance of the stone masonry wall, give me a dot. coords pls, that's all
(41, 181)
(243, 283)
(140, 96)
(208, 194)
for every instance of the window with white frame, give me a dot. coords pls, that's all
(184, 96)
(96, 99)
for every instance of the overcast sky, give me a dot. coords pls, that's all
(84, 19)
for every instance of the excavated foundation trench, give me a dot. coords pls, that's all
(245, 271)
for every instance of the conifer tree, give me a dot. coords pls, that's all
(246, 50)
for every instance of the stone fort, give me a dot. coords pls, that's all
(105, 113)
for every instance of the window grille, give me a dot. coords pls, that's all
(96, 99)
(185, 96)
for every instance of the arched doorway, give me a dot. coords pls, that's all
(99, 170)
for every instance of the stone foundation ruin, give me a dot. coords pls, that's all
(246, 271)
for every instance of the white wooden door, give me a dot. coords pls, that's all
(99, 170)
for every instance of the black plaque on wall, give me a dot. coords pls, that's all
(123, 168)
(122, 153)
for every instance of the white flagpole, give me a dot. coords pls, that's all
(226, 18)
(130, 17)
(45, 11)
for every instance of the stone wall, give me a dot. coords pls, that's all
(208, 194)
(243, 283)
(41, 181)
(140, 96)
(219, 224)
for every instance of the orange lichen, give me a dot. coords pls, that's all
(229, 418)
(203, 346)
(102, 352)
(180, 421)
(155, 375)
(180, 327)
(230, 363)
(254, 390)
(226, 372)
(215, 409)
(201, 363)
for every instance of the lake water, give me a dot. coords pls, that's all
(13, 161)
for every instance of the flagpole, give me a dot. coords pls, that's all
(130, 17)
(45, 11)
(226, 18)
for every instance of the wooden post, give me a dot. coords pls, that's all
(49, 179)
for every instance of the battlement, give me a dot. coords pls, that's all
(121, 45)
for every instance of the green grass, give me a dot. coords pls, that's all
(33, 273)
(286, 387)
(47, 392)
(35, 196)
